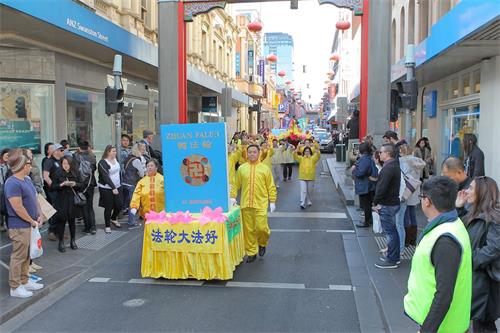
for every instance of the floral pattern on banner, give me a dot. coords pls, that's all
(207, 215)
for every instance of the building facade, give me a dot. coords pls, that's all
(280, 44)
(457, 72)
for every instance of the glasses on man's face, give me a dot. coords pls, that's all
(422, 196)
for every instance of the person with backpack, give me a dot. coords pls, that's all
(133, 171)
(87, 165)
(365, 173)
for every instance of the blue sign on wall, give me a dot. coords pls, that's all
(237, 63)
(430, 103)
(195, 166)
(69, 16)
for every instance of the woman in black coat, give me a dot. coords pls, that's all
(483, 225)
(67, 185)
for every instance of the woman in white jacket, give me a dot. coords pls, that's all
(412, 167)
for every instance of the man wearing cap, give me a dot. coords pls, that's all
(49, 172)
(147, 139)
(392, 137)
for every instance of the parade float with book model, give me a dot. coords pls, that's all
(294, 134)
(198, 235)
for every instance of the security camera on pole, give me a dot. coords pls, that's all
(114, 101)
(410, 90)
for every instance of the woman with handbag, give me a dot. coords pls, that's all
(68, 198)
(110, 187)
(423, 151)
(483, 224)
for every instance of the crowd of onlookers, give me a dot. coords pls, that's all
(458, 254)
(66, 179)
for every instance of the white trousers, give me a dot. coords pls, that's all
(306, 189)
(277, 173)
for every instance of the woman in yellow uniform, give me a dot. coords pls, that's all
(257, 192)
(307, 173)
(149, 193)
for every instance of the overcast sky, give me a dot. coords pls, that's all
(312, 27)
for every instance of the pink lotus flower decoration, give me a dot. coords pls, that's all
(155, 217)
(209, 215)
(180, 217)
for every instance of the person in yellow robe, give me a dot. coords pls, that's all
(307, 174)
(149, 192)
(266, 153)
(234, 156)
(257, 192)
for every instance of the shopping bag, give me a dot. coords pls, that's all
(47, 210)
(36, 249)
(377, 225)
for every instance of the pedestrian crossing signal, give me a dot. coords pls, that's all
(113, 100)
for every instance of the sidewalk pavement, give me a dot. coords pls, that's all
(59, 268)
(390, 284)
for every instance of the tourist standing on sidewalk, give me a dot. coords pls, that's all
(147, 139)
(392, 137)
(363, 170)
(288, 160)
(124, 149)
(132, 174)
(483, 224)
(50, 169)
(35, 174)
(24, 212)
(440, 282)
(386, 201)
(4, 168)
(406, 220)
(423, 150)
(307, 173)
(110, 187)
(257, 193)
(148, 194)
(66, 184)
(353, 125)
(87, 178)
(474, 157)
(454, 168)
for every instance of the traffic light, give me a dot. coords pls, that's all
(395, 105)
(409, 94)
(113, 100)
(21, 107)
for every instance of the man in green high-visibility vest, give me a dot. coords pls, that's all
(440, 282)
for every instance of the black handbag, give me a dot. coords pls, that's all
(79, 199)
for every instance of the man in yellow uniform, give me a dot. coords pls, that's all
(257, 191)
(234, 155)
(266, 153)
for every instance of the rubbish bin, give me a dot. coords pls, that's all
(340, 152)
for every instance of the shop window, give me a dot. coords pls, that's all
(26, 115)
(477, 82)
(466, 84)
(457, 122)
(135, 118)
(86, 119)
(446, 91)
(454, 88)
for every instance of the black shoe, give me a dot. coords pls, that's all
(93, 231)
(251, 258)
(385, 259)
(362, 225)
(284, 180)
(73, 245)
(262, 250)
(384, 264)
(61, 247)
(302, 207)
(86, 231)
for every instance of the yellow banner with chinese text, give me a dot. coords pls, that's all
(191, 237)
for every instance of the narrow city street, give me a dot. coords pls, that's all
(303, 283)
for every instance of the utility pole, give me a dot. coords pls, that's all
(117, 72)
(410, 89)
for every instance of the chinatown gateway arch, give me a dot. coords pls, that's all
(375, 62)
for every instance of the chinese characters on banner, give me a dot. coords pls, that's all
(195, 166)
(191, 237)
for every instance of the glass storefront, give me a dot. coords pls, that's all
(87, 120)
(458, 121)
(135, 118)
(26, 115)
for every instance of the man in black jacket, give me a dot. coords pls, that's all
(386, 202)
(85, 154)
(147, 139)
(474, 161)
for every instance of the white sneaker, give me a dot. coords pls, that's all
(107, 230)
(32, 285)
(20, 292)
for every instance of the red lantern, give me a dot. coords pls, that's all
(292, 89)
(288, 82)
(255, 26)
(343, 25)
(272, 58)
(335, 57)
(330, 73)
(281, 73)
